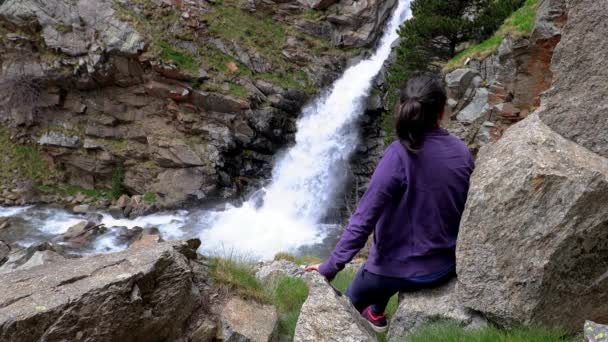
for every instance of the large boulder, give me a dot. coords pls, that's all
(329, 316)
(533, 244)
(428, 306)
(576, 103)
(144, 294)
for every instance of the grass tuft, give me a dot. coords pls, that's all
(238, 276)
(301, 260)
(519, 24)
(451, 332)
(288, 295)
(182, 58)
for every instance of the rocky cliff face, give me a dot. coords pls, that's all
(182, 100)
(533, 242)
(492, 94)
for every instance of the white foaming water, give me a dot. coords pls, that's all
(286, 215)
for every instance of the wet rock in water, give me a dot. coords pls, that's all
(5, 250)
(595, 332)
(427, 306)
(534, 232)
(358, 23)
(137, 295)
(82, 234)
(146, 240)
(274, 269)
(329, 316)
(248, 321)
(35, 255)
(81, 209)
(5, 222)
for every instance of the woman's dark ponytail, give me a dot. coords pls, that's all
(421, 105)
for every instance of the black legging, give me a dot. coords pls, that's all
(371, 289)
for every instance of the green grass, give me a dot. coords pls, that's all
(149, 198)
(22, 161)
(519, 24)
(182, 58)
(449, 332)
(262, 33)
(301, 260)
(288, 295)
(238, 276)
(71, 190)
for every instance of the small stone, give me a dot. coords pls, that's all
(81, 209)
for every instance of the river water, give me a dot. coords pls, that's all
(286, 215)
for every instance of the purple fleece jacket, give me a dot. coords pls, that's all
(413, 206)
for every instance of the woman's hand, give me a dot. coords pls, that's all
(312, 268)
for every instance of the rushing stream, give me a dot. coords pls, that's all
(286, 215)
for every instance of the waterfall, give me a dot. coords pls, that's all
(286, 214)
(282, 217)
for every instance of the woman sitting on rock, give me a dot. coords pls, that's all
(413, 207)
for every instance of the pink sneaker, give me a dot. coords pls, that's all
(377, 322)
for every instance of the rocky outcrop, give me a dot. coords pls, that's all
(509, 83)
(428, 306)
(576, 102)
(249, 321)
(359, 23)
(328, 316)
(137, 295)
(533, 242)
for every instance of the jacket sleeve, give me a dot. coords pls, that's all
(387, 182)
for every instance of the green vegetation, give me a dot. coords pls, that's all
(449, 332)
(72, 190)
(22, 161)
(519, 24)
(118, 177)
(288, 295)
(238, 276)
(149, 198)
(301, 260)
(182, 58)
(439, 28)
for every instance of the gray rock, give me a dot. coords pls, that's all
(329, 316)
(595, 332)
(5, 250)
(427, 306)
(205, 332)
(175, 187)
(476, 109)
(248, 321)
(267, 271)
(19, 258)
(318, 4)
(54, 138)
(533, 243)
(576, 103)
(82, 234)
(459, 80)
(358, 23)
(81, 209)
(137, 295)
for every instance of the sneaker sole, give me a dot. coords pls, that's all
(378, 329)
